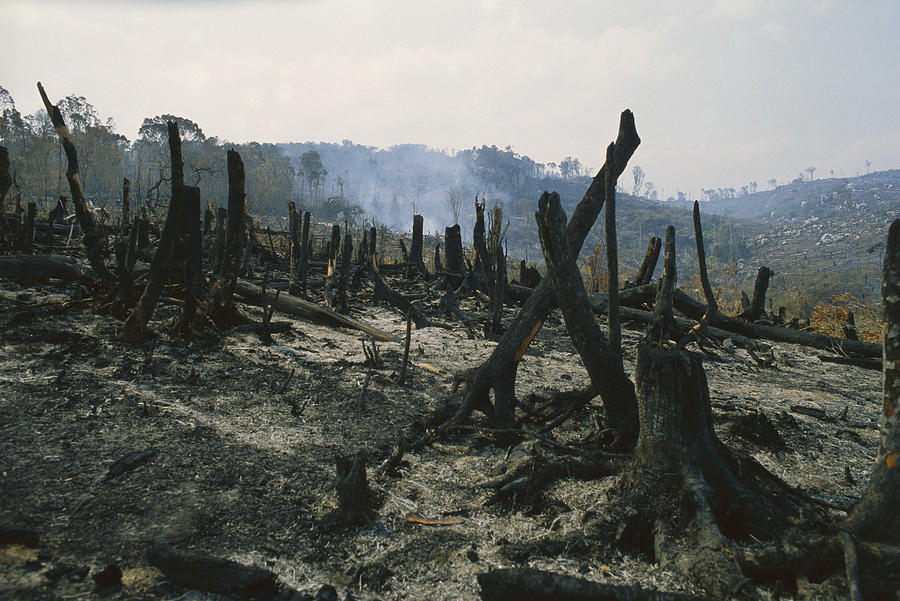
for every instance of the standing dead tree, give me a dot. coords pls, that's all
(600, 358)
(499, 371)
(93, 243)
(135, 327)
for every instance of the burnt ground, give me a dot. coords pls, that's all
(243, 453)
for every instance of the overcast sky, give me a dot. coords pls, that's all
(724, 92)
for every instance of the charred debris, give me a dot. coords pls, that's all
(684, 498)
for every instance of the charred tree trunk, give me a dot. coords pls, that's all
(221, 229)
(135, 327)
(372, 235)
(603, 365)
(293, 251)
(498, 294)
(143, 239)
(484, 273)
(355, 502)
(711, 305)
(612, 263)
(755, 310)
(438, 266)
(193, 260)
(648, 265)
(664, 327)
(331, 270)
(876, 518)
(454, 254)
(395, 299)
(5, 179)
(415, 251)
(126, 201)
(499, 370)
(93, 243)
(221, 302)
(344, 280)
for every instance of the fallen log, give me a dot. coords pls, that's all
(193, 570)
(695, 310)
(395, 299)
(526, 584)
(864, 362)
(298, 307)
(40, 268)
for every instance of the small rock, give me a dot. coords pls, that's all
(110, 576)
(44, 555)
(728, 345)
(472, 555)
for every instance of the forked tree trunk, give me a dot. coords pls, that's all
(499, 371)
(877, 516)
(603, 365)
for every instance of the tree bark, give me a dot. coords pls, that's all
(648, 265)
(307, 310)
(711, 305)
(612, 263)
(93, 243)
(453, 253)
(126, 206)
(603, 365)
(135, 327)
(664, 327)
(28, 269)
(757, 305)
(876, 518)
(193, 260)
(417, 247)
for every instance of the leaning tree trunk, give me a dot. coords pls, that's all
(603, 364)
(648, 265)
(499, 370)
(877, 517)
(93, 243)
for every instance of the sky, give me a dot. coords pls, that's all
(724, 92)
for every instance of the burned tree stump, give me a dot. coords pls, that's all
(757, 304)
(344, 278)
(417, 247)
(355, 500)
(218, 254)
(453, 253)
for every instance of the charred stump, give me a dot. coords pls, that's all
(757, 304)
(453, 254)
(355, 499)
(218, 254)
(417, 247)
(344, 280)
